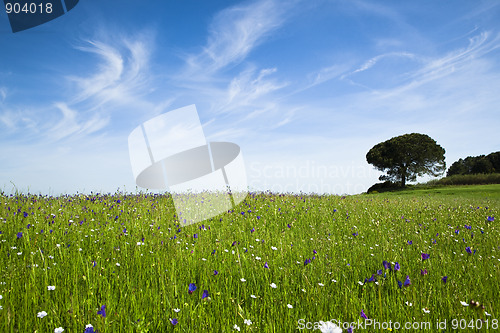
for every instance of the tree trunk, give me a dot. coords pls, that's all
(403, 176)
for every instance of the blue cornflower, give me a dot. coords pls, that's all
(19, 235)
(102, 312)
(192, 287)
(89, 329)
(407, 281)
(25, 214)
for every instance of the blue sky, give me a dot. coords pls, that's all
(305, 88)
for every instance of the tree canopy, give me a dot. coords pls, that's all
(476, 164)
(407, 156)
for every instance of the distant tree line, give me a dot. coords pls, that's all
(476, 165)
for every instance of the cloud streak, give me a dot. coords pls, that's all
(122, 74)
(234, 33)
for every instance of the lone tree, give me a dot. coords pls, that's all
(407, 156)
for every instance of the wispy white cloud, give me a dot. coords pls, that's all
(249, 89)
(122, 74)
(9, 119)
(373, 61)
(71, 123)
(235, 32)
(479, 46)
(3, 94)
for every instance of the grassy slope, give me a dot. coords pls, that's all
(349, 238)
(486, 192)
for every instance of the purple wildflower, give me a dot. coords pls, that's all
(174, 321)
(195, 236)
(425, 256)
(444, 278)
(372, 278)
(307, 261)
(89, 329)
(266, 265)
(468, 250)
(215, 272)
(234, 243)
(253, 229)
(407, 281)
(363, 315)
(423, 272)
(490, 219)
(25, 214)
(379, 272)
(400, 284)
(102, 312)
(410, 242)
(396, 266)
(315, 252)
(19, 235)
(386, 264)
(192, 287)
(205, 294)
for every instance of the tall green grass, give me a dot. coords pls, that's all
(79, 245)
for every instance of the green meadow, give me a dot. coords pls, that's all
(276, 263)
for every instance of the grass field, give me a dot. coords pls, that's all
(277, 263)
